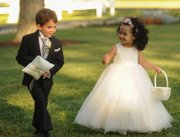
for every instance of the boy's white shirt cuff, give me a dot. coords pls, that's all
(56, 50)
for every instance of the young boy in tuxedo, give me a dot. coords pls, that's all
(31, 46)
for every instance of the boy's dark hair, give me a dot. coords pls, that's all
(44, 15)
(139, 32)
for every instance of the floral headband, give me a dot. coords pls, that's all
(129, 22)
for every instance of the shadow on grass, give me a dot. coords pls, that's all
(13, 121)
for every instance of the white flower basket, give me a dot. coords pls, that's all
(161, 93)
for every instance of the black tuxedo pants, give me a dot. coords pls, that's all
(41, 119)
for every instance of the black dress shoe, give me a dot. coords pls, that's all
(45, 134)
(36, 132)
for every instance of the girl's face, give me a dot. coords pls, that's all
(125, 35)
(48, 29)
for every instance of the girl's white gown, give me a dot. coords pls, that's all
(121, 100)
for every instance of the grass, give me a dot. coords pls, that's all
(123, 8)
(76, 79)
(82, 15)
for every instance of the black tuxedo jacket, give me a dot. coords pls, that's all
(29, 49)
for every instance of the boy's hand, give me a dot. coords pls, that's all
(45, 74)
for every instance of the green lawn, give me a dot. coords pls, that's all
(162, 4)
(87, 15)
(76, 79)
(123, 8)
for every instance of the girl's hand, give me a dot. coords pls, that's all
(158, 70)
(105, 60)
(109, 56)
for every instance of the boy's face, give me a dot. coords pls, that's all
(48, 29)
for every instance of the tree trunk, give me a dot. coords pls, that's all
(28, 10)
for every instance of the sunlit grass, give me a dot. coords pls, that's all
(149, 4)
(76, 79)
(86, 15)
(91, 14)
(3, 18)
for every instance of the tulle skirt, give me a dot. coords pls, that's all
(121, 101)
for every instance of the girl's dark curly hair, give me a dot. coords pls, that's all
(138, 30)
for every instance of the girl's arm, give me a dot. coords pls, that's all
(147, 64)
(109, 56)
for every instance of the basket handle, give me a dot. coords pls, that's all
(155, 77)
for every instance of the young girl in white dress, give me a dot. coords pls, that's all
(121, 100)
